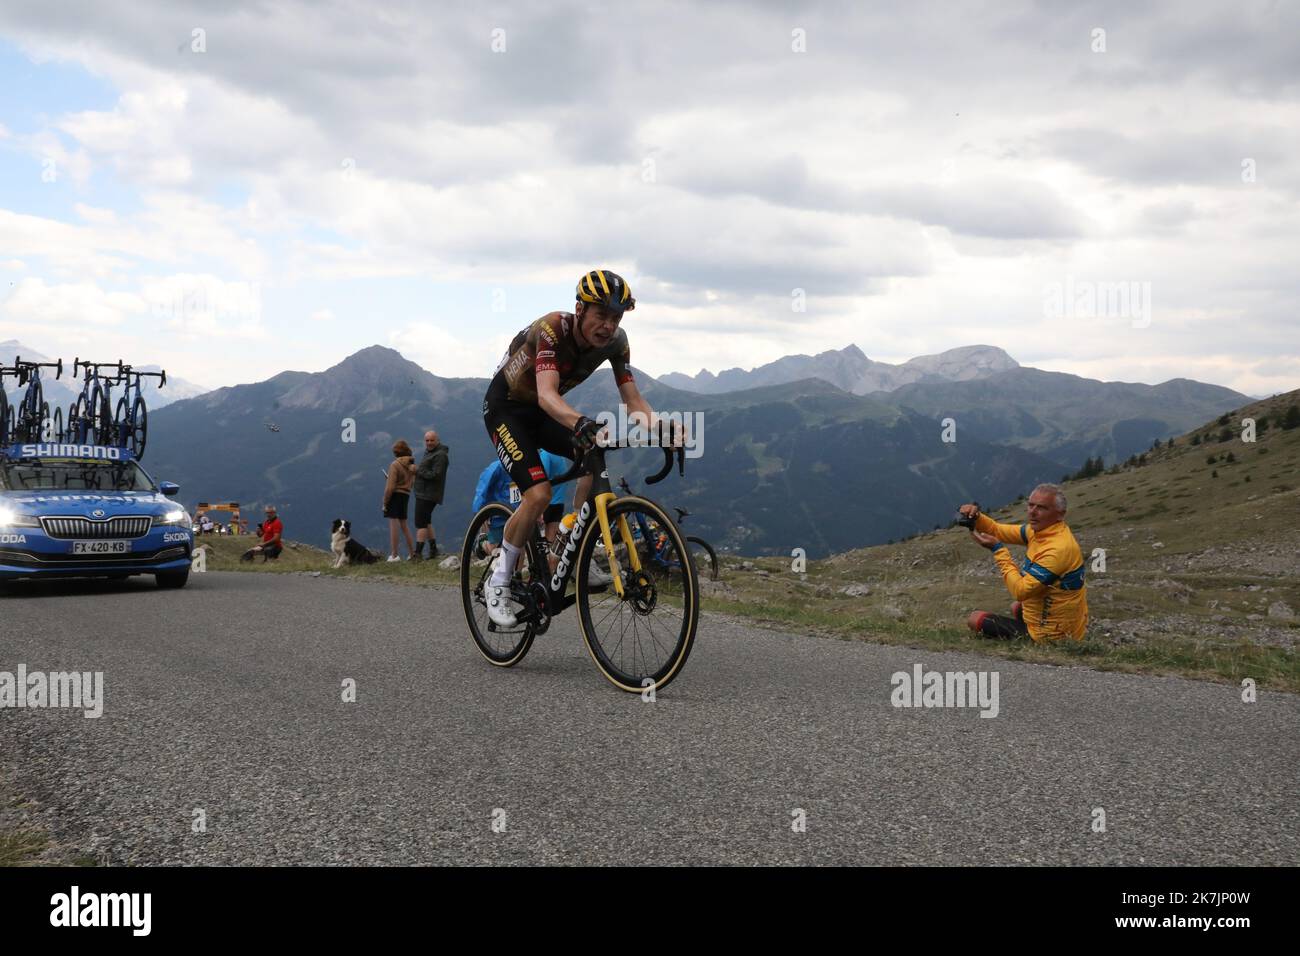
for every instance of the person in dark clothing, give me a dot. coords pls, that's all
(430, 480)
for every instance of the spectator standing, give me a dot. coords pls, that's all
(397, 498)
(430, 480)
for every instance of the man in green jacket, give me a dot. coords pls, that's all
(430, 479)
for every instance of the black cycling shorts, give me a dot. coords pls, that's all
(552, 514)
(1002, 627)
(519, 431)
(424, 512)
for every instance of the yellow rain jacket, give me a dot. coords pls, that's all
(1049, 582)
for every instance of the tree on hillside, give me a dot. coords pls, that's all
(1292, 417)
(1196, 439)
(1225, 435)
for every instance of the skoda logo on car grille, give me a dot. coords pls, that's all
(97, 513)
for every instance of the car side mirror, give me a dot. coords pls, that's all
(169, 488)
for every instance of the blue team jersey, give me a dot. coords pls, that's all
(494, 483)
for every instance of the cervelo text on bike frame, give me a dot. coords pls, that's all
(575, 536)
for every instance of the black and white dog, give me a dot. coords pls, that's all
(345, 549)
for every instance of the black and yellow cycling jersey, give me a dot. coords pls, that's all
(1048, 582)
(520, 429)
(549, 345)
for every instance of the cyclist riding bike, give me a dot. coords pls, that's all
(524, 410)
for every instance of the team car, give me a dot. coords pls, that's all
(71, 510)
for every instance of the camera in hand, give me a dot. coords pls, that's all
(966, 521)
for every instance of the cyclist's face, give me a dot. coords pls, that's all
(599, 324)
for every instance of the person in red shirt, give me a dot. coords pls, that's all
(272, 543)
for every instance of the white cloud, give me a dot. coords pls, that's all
(205, 306)
(445, 353)
(920, 178)
(71, 304)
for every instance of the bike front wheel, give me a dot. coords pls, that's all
(503, 647)
(706, 560)
(137, 427)
(640, 640)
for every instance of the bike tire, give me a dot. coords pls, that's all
(638, 594)
(45, 432)
(56, 425)
(101, 426)
(4, 416)
(499, 648)
(139, 427)
(30, 418)
(710, 567)
(79, 420)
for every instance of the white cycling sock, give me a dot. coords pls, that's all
(505, 568)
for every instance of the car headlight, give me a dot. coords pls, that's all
(172, 517)
(12, 519)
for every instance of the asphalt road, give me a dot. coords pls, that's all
(227, 697)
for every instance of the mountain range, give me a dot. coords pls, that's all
(797, 464)
(851, 370)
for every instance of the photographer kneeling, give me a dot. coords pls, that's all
(1051, 601)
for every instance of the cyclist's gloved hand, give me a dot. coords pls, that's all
(584, 433)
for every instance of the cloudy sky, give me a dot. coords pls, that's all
(232, 192)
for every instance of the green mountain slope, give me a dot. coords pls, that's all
(1065, 417)
(1199, 576)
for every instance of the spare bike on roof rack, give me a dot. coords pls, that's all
(639, 628)
(6, 410)
(706, 559)
(90, 421)
(31, 419)
(131, 418)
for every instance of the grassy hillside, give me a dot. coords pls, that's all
(1200, 568)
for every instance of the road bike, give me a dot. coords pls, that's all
(639, 629)
(706, 559)
(6, 410)
(131, 419)
(31, 417)
(90, 421)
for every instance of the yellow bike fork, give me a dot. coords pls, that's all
(602, 515)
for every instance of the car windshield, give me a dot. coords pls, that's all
(72, 474)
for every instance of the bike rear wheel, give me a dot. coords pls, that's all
(641, 640)
(131, 424)
(4, 416)
(500, 647)
(102, 431)
(55, 431)
(79, 420)
(31, 414)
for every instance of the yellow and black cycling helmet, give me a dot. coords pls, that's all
(606, 288)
